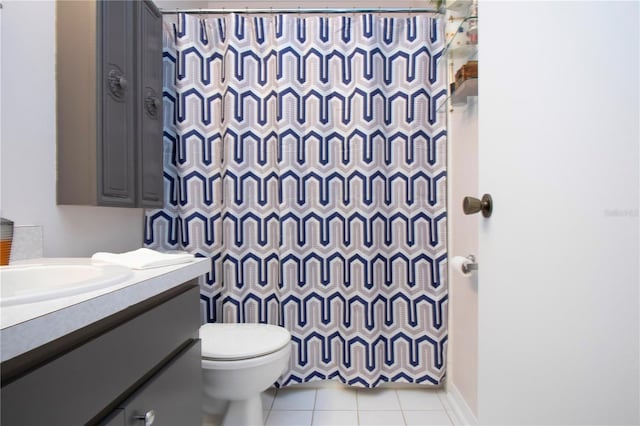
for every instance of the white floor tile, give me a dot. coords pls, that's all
(419, 399)
(427, 418)
(336, 399)
(377, 399)
(294, 399)
(380, 418)
(289, 418)
(267, 398)
(335, 418)
(442, 394)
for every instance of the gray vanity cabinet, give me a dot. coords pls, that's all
(109, 103)
(112, 372)
(168, 399)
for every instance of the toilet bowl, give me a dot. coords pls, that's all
(239, 361)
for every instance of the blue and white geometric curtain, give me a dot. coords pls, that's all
(305, 156)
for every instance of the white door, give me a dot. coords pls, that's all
(558, 151)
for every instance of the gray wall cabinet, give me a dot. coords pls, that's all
(109, 103)
(145, 359)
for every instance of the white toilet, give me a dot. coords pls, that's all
(239, 361)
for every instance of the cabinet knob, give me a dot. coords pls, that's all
(152, 104)
(122, 82)
(117, 83)
(149, 417)
(472, 205)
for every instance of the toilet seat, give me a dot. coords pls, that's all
(232, 342)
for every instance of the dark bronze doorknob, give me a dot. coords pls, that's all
(472, 205)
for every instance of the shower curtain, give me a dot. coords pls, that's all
(305, 156)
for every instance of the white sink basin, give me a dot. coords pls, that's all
(37, 282)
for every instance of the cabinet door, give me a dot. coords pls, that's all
(115, 419)
(116, 149)
(173, 396)
(150, 180)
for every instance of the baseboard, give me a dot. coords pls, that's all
(458, 407)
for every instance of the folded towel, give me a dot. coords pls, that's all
(143, 258)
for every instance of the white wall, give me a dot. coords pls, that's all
(28, 143)
(463, 240)
(462, 140)
(559, 151)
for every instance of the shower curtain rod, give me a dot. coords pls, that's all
(303, 11)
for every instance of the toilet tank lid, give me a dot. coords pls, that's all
(241, 341)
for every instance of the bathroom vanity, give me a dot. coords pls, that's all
(124, 355)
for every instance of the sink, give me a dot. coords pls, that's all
(46, 281)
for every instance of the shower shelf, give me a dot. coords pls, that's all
(458, 5)
(464, 51)
(467, 88)
(457, 48)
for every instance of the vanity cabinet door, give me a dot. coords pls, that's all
(116, 144)
(150, 117)
(173, 396)
(115, 419)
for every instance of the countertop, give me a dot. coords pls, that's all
(25, 327)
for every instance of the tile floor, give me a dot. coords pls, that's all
(344, 406)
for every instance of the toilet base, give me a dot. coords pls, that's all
(246, 412)
(237, 383)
